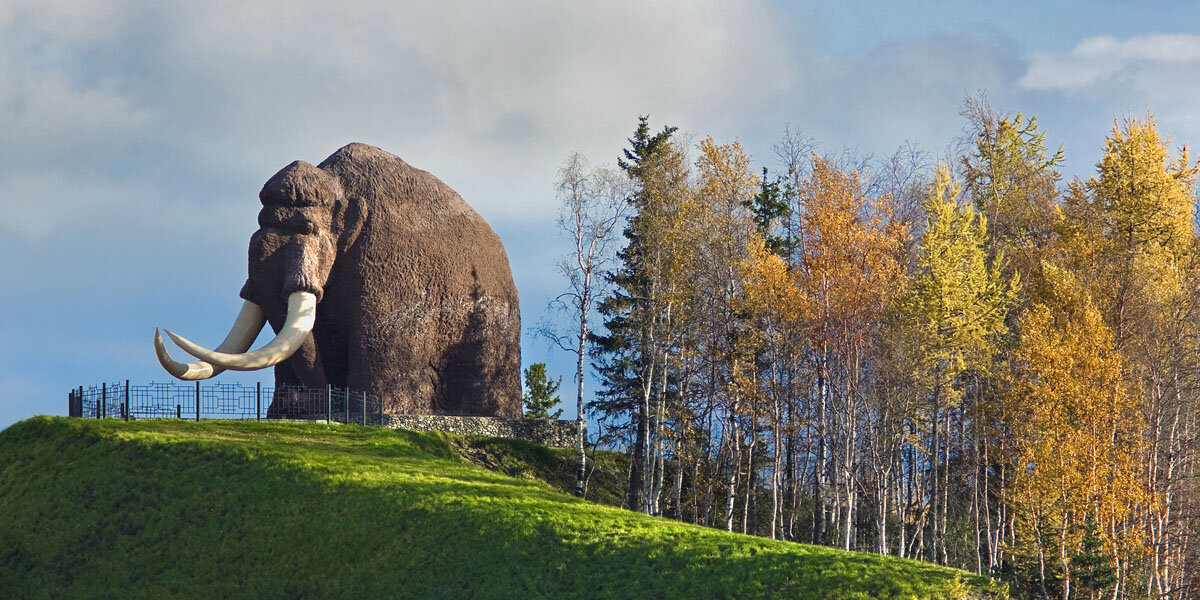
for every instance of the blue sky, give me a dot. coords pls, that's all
(134, 136)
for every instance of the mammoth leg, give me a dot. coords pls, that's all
(392, 365)
(299, 385)
(481, 368)
(284, 398)
(383, 374)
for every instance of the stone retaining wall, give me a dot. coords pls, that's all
(549, 432)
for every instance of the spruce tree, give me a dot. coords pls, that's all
(1092, 566)
(541, 393)
(768, 206)
(620, 355)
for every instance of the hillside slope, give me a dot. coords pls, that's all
(162, 509)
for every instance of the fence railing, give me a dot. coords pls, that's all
(170, 400)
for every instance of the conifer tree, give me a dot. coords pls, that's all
(1128, 233)
(1146, 202)
(1011, 180)
(770, 206)
(955, 313)
(625, 355)
(1092, 565)
(541, 393)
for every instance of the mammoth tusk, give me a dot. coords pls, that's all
(245, 328)
(301, 315)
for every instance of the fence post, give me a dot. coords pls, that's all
(258, 401)
(103, 400)
(178, 411)
(126, 415)
(328, 403)
(197, 401)
(346, 397)
(364, 412)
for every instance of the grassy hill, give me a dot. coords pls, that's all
(171, 509)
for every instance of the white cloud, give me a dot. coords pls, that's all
(47, 115)
(38, 204)
(1104, 61)
(1104, 76)
(489, 96)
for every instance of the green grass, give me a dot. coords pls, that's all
(170, 509)
(557, 467)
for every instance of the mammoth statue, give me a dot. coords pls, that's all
(377, 277)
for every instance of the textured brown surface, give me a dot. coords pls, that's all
(417, 299)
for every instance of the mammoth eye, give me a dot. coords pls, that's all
(288, 220)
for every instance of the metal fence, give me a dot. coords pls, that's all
(171, 400)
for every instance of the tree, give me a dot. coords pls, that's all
(593, 205)
(1092, 565)
(955, 313)
(770, 206)
(1080, 429)
(721, 207)
(1014, 391)
(628, 355)
(541, 393)
(770, 296)
(849, 266)
(1128, 232)
(1012, 182)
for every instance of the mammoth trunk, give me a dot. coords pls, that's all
(281, 265)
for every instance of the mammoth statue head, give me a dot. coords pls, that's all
(291, 256)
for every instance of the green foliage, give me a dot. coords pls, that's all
(1010, 178)
(643, 147)
(622, 355)
(1092, 566)
(957, 307)
(155, 509)
(541, 393)
(770, 205)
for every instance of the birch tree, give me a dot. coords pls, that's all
(593, 203)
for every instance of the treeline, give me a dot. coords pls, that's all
(964, 361)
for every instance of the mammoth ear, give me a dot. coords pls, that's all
(349, 214)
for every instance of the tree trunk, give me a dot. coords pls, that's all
(820, 471)
(580, 426)
(734, 464)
